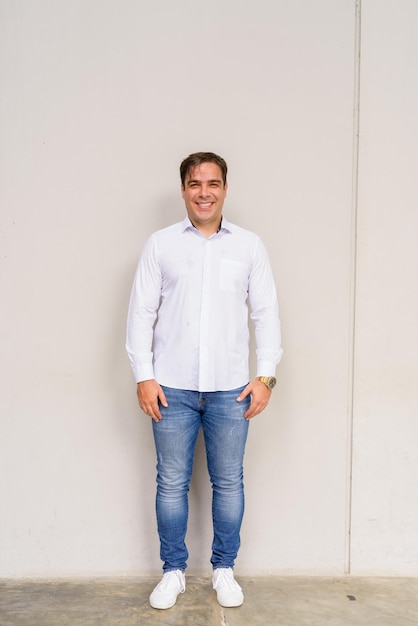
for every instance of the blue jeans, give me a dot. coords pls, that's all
(225, 433)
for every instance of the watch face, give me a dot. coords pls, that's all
(271, 382)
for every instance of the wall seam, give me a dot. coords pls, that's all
(353, 284)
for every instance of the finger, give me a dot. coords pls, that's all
(155, 413)
(151, 410)
(254, 409)
(162, 398)
(244, 393)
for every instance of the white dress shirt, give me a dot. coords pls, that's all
(188, 313)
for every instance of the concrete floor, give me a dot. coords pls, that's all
(273, 601)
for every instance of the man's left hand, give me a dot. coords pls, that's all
(260, 396)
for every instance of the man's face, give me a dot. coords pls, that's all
(204, 194)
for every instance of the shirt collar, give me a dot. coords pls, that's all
(225, 225)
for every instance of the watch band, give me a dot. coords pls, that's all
(269, 381)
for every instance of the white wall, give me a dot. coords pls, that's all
(100, 101)
(385, 503)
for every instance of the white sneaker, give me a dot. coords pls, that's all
(165, 593)
(227, 589)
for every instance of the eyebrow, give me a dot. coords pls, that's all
(213, 180)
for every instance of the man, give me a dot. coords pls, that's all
(188, 343)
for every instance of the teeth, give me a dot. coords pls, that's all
(205, 206)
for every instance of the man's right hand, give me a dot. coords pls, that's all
(149, 393)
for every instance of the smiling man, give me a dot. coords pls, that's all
(204, 192)
(188, 343)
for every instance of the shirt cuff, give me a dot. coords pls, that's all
(143, 371)
(266, 368)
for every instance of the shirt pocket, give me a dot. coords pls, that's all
(234, 276)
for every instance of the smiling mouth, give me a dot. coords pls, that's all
(204, 205)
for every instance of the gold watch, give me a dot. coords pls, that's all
(269, 381)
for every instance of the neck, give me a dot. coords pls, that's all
(209, 229)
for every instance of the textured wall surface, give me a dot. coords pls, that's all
(100, 101)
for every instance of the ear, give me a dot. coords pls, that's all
(182, 190)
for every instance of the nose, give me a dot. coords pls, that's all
(204, 190)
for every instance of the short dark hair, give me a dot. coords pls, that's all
(198, 158)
